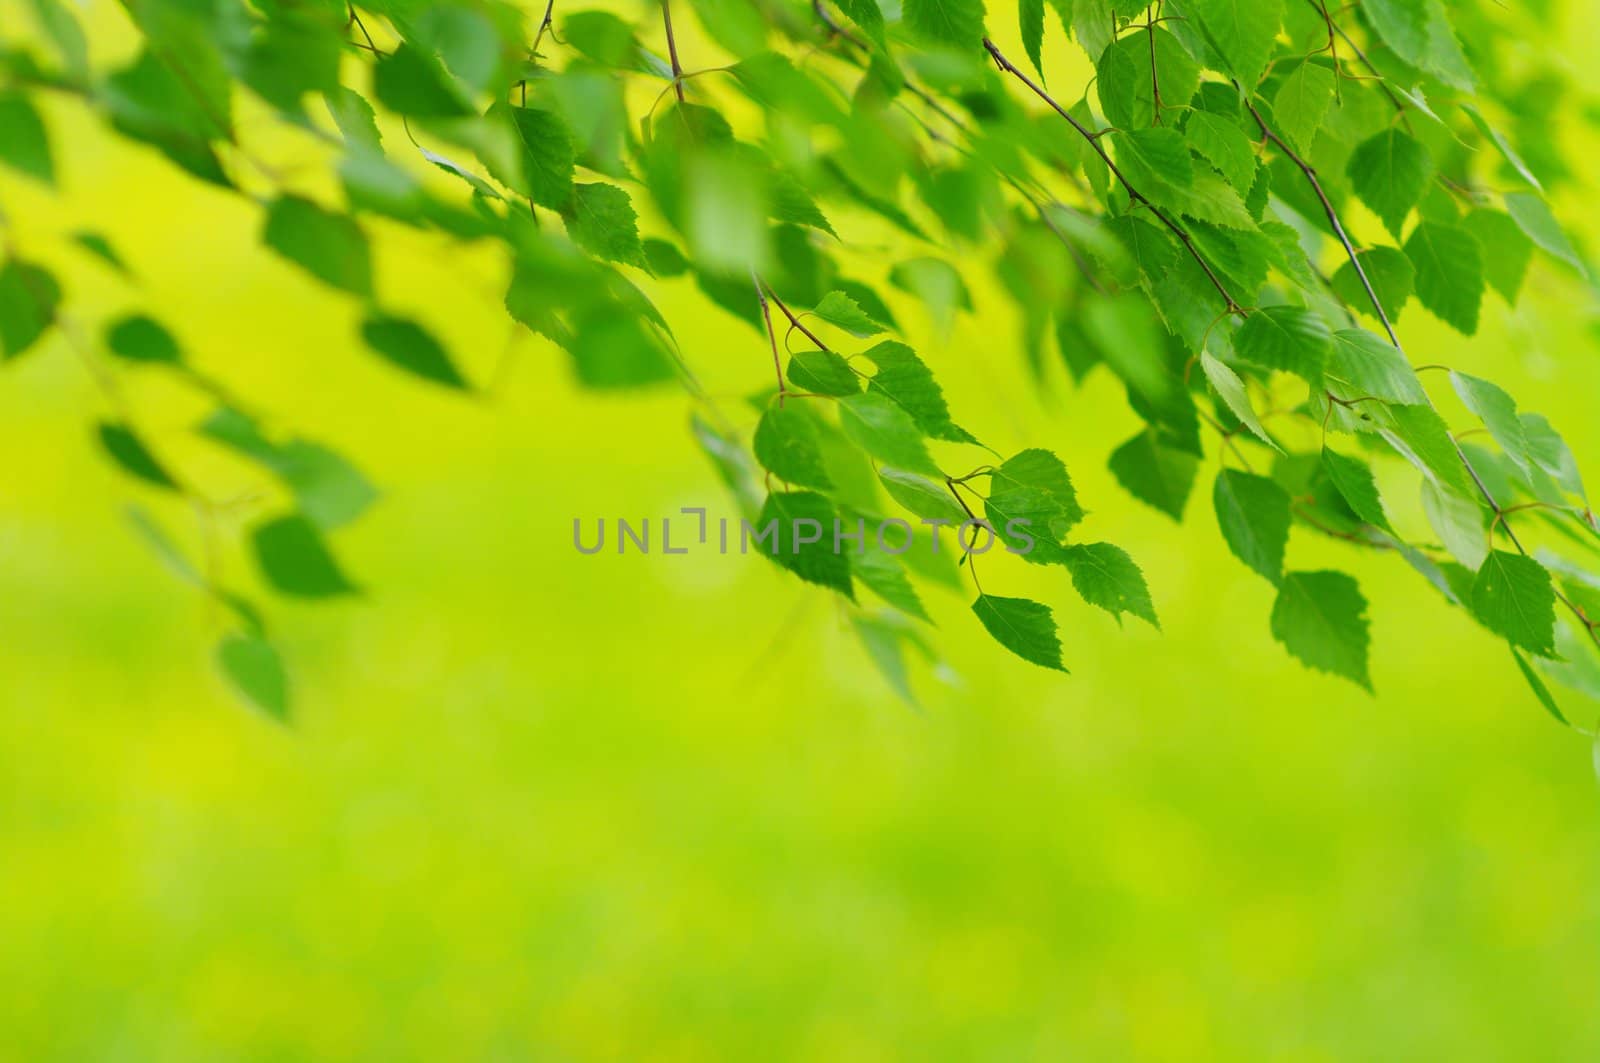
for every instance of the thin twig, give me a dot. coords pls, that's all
(1133, 193)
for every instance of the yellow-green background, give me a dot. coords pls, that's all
(534, 805)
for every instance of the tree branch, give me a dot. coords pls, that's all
(1133, 193)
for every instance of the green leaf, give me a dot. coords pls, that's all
(1389, 173)
(256, 671)
(1231, 390)
(908, 382)
(1449, 267)
(296, 561)
(138, 338)
(1105, 576)
(1362, 364)
(803, 528)
(24, 146)
(956, 23)
(1031, 505)
(885, 430)
(1498, 412)
(1242, 31)
(1533, 216)
(841, 311)
(1024, 627)
(786, 444)
(1539, 689)
(1030, 22)
(409, 346)
(1513, 597)
(1390, 273)
(613, 350)
(1124, 83)
(1320, 617)
(1154, 473)
(1459, 522)
(29, 296)
(1157, 162)
(330, 247)
(1291, 338)
(1502, 145)
(602, 222)
(548, 154)
(886, 576)
(1506, 250)
(1352, 478)
(1422, 437)
(822, 372)
(1040, 472)
(1223, 144)
(100, 247)
(1253, 513)
(867, 15)
(1302, 103)
(134, 458)
(409, 81)
(922, 496)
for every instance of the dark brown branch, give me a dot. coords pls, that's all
(1133, 193)
(672, 49)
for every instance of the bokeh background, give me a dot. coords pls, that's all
(533, 805)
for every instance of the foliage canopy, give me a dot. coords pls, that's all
(1228, 219)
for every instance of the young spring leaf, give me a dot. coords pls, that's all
(1253, 513)
(296, 561)
(1362, 364)
(329, 246)
(1155, 473)
(1291, 338)
(411, 347)
(1320, 617)
(1513, 597)
(602, 222)
(1389, 272)
(138, 338)
(841, 311)
(786, 444)
(957, 24)
(1533, 216)
(908, 382)
(1390, 172)
(886, 431)
(256, 671)
(24, 145)
(1302, 102)
(1242, 30)
(1223, 144)
(1026, 628)
(922, 496)
(29, 296)
(1506, 250)
(822, 372)
(1105, 576)
(1449, 267)
(1231, 390)
(133, 457)
(800, 526)
(1352, 478)
(548, 154)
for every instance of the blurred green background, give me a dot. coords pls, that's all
(534, 805)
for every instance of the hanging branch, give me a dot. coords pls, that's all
(1134, 194)
(1310, 174)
